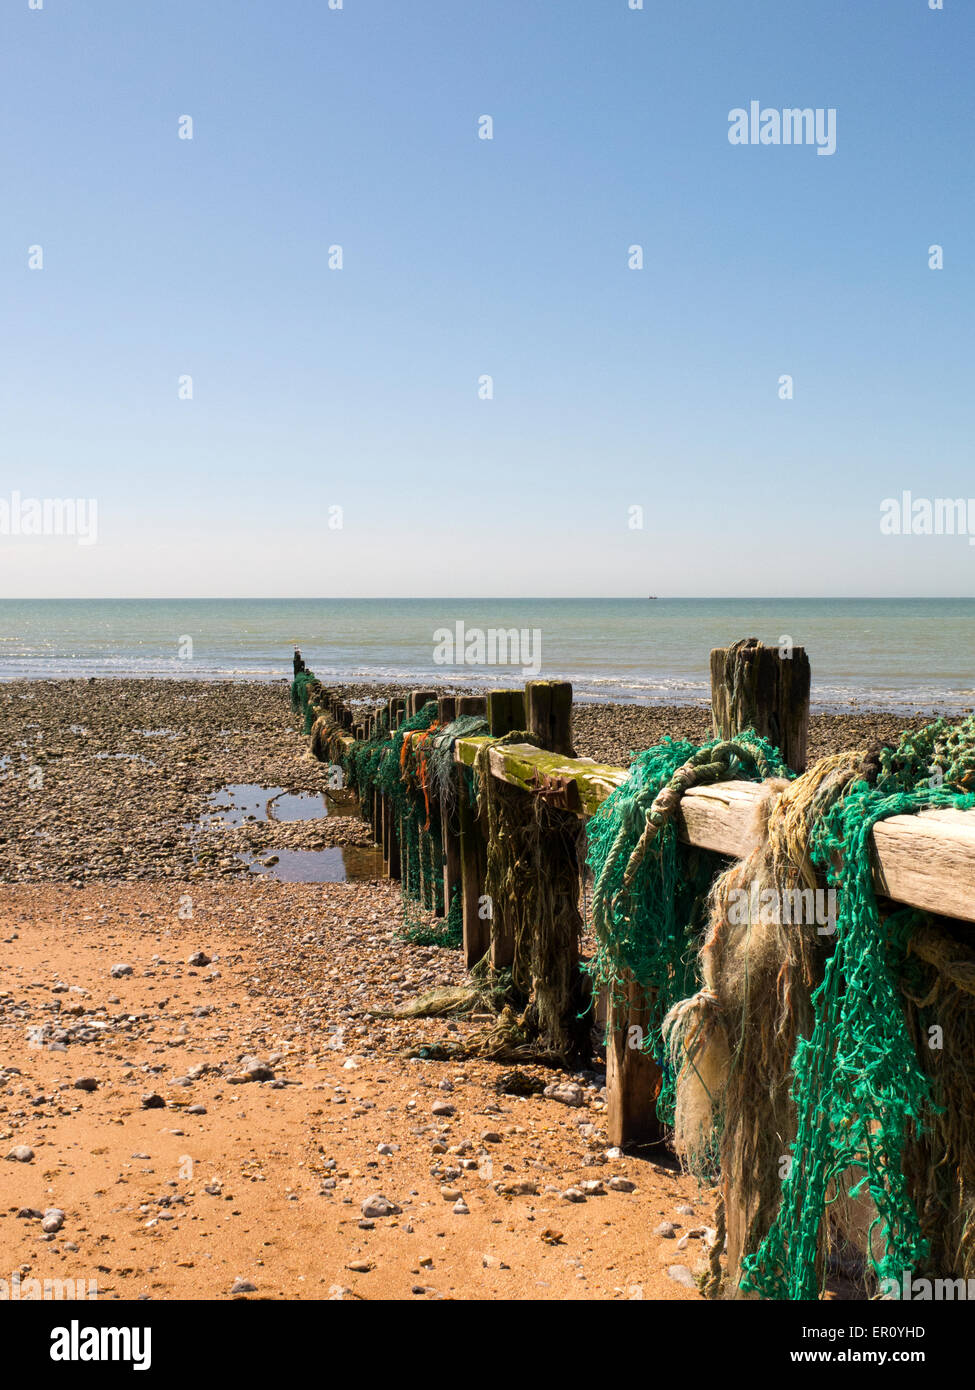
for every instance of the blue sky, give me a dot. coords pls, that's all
(358, 388)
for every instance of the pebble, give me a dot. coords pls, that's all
(566, 1092)
(252, 1069)
(461, 1208)
(86, 1083)
(573, 1194)
(118, 971)
(153, 1101)
(242, 1286)
(443, 1107)
(198, 958)
(682, 1275)
(53, 1220)
(20, 1153)
(490, 1136)
(621, 1185)
(666, 1230)
(378, 1205)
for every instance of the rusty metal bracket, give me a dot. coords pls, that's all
(557, 791)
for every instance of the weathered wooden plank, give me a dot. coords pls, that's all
(527, 767)
(926, 861)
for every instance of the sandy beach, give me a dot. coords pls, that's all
(192, 1077)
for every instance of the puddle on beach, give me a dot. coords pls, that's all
(240, 803)
(300, 806)
(338, 864)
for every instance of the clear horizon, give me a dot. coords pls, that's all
(482, 598)
(904, 654)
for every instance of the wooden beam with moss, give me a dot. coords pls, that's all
(926, 860)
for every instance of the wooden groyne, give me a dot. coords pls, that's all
(926, 861)
(488, 818)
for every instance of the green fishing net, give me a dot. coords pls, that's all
(648, 913)
(860, 1092)
(300, 689)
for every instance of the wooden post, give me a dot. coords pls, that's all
(505, 711)
(448, 819)
(548, 715)
(470, 842)
(766, 689)
(391, 857)
(414, 703)
(632, 1076)
(473, 863)
(470, 704)
(752, 686)
(506, 714)
(397, 709)
(417, 699)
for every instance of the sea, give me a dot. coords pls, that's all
(902, 655)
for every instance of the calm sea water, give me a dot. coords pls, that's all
(898, 654)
